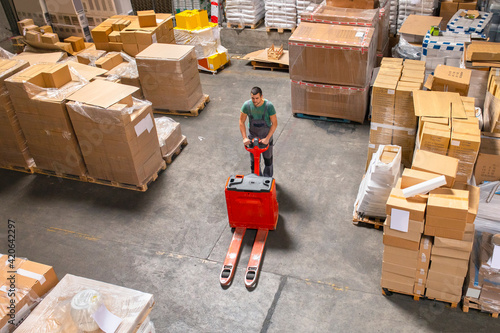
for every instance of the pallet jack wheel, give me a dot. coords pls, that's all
(225, 273)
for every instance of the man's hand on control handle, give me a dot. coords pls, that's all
(264, 141)
(246, 141)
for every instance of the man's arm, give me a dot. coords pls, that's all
(243, 130)
(274, 125)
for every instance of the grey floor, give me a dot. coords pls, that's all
(320, 273)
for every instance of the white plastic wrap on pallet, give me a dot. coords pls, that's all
(475, 27)
(377, 184)
(245, 12)
(281, 13)
(417, 7)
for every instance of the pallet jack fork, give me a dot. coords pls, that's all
(251, 204)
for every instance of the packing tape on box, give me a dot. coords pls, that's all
(39, 277)
(375, 126)
(423, 257)
(327, 86)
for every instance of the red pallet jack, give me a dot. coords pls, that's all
(251, 204)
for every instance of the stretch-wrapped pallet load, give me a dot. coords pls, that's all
(416, 7)
(39, 95)
(381, 176)
(13, 147)
(245, 12)
(483, 280)
(474, 23)
(491, 114)
(445, 49)
(169, 134)
(127, 73)
(330, 69)
(79, 304)
(281, 14)
(127, 150)
(169, 76)
(32, 282)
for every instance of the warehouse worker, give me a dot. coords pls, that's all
(262, 124)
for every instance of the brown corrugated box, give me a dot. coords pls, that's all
(400, 256)
(436, 163)
(414, 233)
(383, 97)
(400, 242)
(435, 138)
(329, 101)
(488, 161)
(129, 150)
(332, 54)
(43, 117)
(414, 205)
(404, 112)
(415, 27)
(398, 269)
(451, 79)
(411, 177)
(397, 282)
(474, 193)
(170, 68)
(440, 295)
(361, 4)
(448, 203)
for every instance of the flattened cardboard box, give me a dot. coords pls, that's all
(332, 54)
(329, 101)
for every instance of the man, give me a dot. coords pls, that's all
(262, 124)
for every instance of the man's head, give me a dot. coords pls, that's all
(256, 94)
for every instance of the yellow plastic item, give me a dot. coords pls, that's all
(214, 61)
(193, 20)
(223, 58)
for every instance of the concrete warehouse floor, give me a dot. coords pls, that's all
(320, 272)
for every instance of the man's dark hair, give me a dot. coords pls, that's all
(256, 90)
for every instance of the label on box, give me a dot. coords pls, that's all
(35, 276)
(153, 37)
(360, 34)
(426, 243)
(400, 219)
(455, 143)
(106, 321)
(391, 92)
(474, 293)
(143, 125)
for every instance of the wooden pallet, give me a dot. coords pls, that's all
(176, 151)
(243, 26)
(364, 220)
(204, 70)
(469, 303)
(141, 188)
(269, 65)
(280, 30)
(313, 117)
(389, 292)
(191, 113)
(82, 178)
(17, 168)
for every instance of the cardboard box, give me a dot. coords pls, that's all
(488, 161)
(452, 233)
(24, 23)
(404, 112)
(361, 4)
(414, 233)
(100, 34)
(474, 194)
(57, 76)
(436, 163)
(65, 46)
(400, 256)
(438, 104)
(448, 203)
(46, 29)
(77, 43)
(400, 242)
(450, 266)
(435, 138)
(397, 282)
(440, 295)
(411, 177)
(330, 101)
(452, 248)
(398, 269)
(451, 79)
(147, 18)
(109, 61)
(415, 27)
(415, 205)
(446, 285)
(315, 58)
(33, 36)
(50, 38)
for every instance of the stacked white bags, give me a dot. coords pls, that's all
(245, 12)
(393, 17)
(418, 7)
(381, 176)
(281, 14)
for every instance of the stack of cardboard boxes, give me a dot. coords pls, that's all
(32, 282)
(13, 149)
(133, 34)
(127, 149)
(393, 119)
(169, 76)
(68, 18)
(44, 119)
(330, 69)
(428, 239)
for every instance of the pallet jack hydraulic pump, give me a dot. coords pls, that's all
(251, 204)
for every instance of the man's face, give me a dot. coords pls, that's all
(256, 99)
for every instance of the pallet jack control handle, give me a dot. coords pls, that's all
(256, 148)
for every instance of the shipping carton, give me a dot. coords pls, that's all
(398, 269)
(415, 229)
(400, 242)
(360, 4)
(415, 27)
(414, 205)
(441, 295)
(435, 138)
(447, 265)
(397, 282)
(50, 38)
(77, 43)
(314, 56)
(436, 163)
(448, 203)
(411, 177)
(128, 151)
(451, 79)
(147, 18)
(401, 257)
(488, 161)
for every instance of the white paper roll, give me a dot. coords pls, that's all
(424, 187)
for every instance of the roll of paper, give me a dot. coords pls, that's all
(424, 187)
